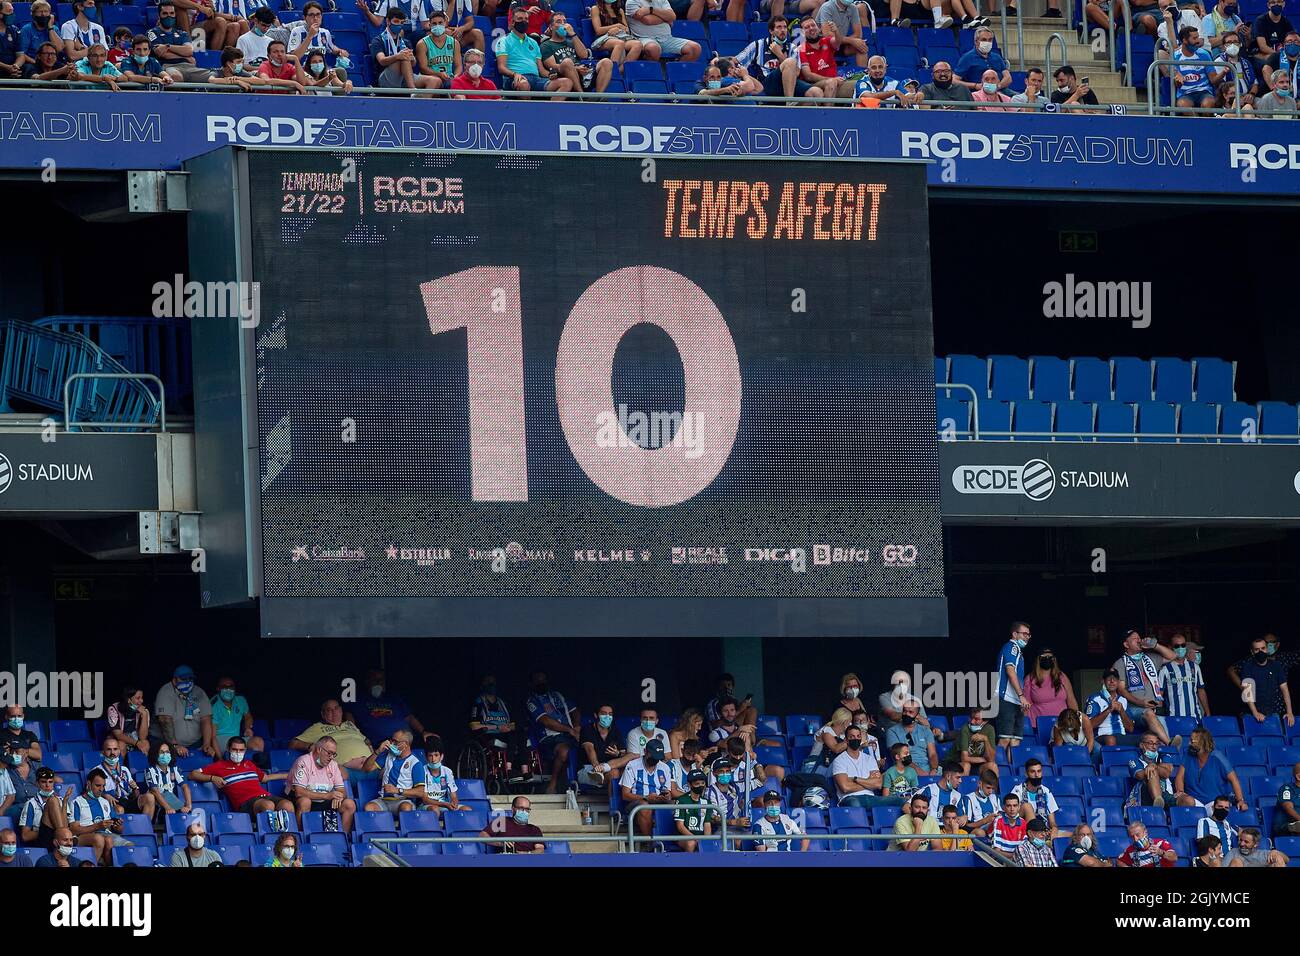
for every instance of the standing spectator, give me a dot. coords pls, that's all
(1069, 91)
(950, 822)
(141, 67)
(648, 729)
(1205, 773)
(648, 779)
(1140, 684)
(901, 779)
(602, 751)
(650, 21)
(1267, 693)
(1288, 659)
(83, 31)
(1145, 850)
(285, 853)
(95, 68)
(1249, 853)
(1082, 850)
(91, 820)
(944, 791)
(1286, 819)
(1048, 688)
(316, 783)
(165, 784)
(612, 34)
(1181, 683)
(915, 819)
(976, 745)
(16, 740)
(401, 774)
(40, 31)
(1037, 802)
(472, 79)
(817, 65)
(746, 713)
(1209, 853)
(196, 851)
(841, 22)
(382, 713)
(1035, 851)
(120, 787)
(241, 782)
(855, 772)
(723, 794)
(555, 727)
(183, 715)
(9, 855)
(1269, 31)
(563, 52)
(1074, 729)
(231, 717)
(438, 53)
(1150, 777)
(1215, 822)
(515, 825)
(989, 93)
(254, 43)
(353, 747)
(689, 819)
(1012, 700)
(1010, 828)
(172, 46)
(1195, 84)
(440, 790)
(917, 736)
(1108, 712)
(980, 807)
(975, 62)
(777, 824)
(1033, 96)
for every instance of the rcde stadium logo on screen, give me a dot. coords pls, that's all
(1035, 479)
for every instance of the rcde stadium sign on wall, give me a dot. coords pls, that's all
(1021, 151)
(78, 472)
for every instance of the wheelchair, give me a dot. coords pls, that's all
(504, 766)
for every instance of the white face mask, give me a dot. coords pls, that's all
(475, 70)
(286, 852)
(1086, 842)
(853, 692)
(985, 46)
(65, 850)
(1233, 49)
(196, 841)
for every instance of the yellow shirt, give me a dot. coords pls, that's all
(903, 826)
(955, 843)
(351, 741)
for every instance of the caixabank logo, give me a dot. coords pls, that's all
(1035, 479)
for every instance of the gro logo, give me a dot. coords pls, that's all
(1035, 479)
(6, 474)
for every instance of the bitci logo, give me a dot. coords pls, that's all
(824, 554)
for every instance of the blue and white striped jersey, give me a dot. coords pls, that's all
(404, 773)
(1179, 682)
(1010, 655)
(643, 781)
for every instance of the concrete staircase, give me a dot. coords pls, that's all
(1108, 85)
(558, 816)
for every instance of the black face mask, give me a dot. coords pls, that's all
(1046, 661)
(42, 22)
(1193, 750)
(697, 790)
(908, 721)
(1220, 814)
(520, 26)
(1261, 657)
(907, 761)
(854, 744)
(1034, 782)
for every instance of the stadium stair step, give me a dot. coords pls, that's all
(556, 818)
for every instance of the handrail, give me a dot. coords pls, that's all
(975, 402)
(160, 404)
(1020, 34)
(1120, 7)
(1128, 44)
(633, 836)
(1047, 54)
(1153, 92)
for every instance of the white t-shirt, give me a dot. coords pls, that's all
(253, 47)
(1186, 18)
(863, 765)
(94, 33)
(637, 739)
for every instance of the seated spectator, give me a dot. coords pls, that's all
(440, 790)
(745, 714)
(771, 61)
(438, 53)
(42, 811)
(241, 781)
(172, 46)
(94, 68)
(1074, 729)
(47, 66)
(817, 67)
(164, 782)
(1069, 91)
(905, 13)
(1221, 21)
(120, 787)
(281, 70)
(91, 820)
(120, 49)
(461, 23)
(187, 12)
(1269, 32)
(828, 742)
(62, 844)
(381, 713)
(609, 23)
(1209, 852)
(489, 715)
(1108, 713)
(515, 825)
(891, 702)
(400, 774)
(472, 79)
(777, 824)
(12, 58)
(950, 823)
(1098, 12)
(1036, 850)
(141, 67)
(976, 745)
(724, 80)
(855, 772)
(901, 779)
(942, 93)
(353, 747)
(1286, 820)
(307, 35)
(840, 21)
(196, 851)
(1186, 693)
(286, 852)
(977, 61)
(233, 72)
(232, 717)
(225, 25)
(83, 31)
(1285, 59)
(748, 775)
(917, 736)
(1215, 822)
(1195, 84)
(1145, 17)
(1146, 850)
(1036, 800)
(648, 729)
(722, 793)
(254, 43)
(519, 59)
(915, 819)
(40, 31)
(691, 820)
(183, 716)
(1082, 850)
(316, 783)
(878, 90)
(1249, 853)
(1205, 773)
(980, 807)
(416, 10)
(1227, 105)
(693, 758)
(946, 790)
(650, 21)
(539, 14)
(648, 779)
(1032, 97)
(1010, 828)
(555, 727)
(17, 741)
(729, 723)
(602, 751)
(688, 727)
(564, 53)
(1150, 777)
(9, 855)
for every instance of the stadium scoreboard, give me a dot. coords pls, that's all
(542, 394)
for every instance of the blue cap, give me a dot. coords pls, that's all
(183, 671)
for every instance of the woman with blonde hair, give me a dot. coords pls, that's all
(688, 727)
(851, 694)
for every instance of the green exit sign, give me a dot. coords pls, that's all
(1078, 240)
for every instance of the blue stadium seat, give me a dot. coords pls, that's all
(1283, 756)
(842, 817)
(226, 824)
(1108, 810)
(1235, 418)
(1225, 726)
(1051, 378)
(1151, 816)
(461, 849)
(1270, 726)
(954, 411)
(471, 789)
(940, 370)
(686, 72)
(418, 849)
(994, 421)
(139, 855)
(882, 818)
(1245, 755)
(176, 823)
(69, 730)
(416, 822)
(1198, 418)
(374, 821)
(1157, 419)
(647, 86)
(902, 57)
(723, 30)
(62, 762)
(1214, 381)
(1033, 421)
(796, 724)
(1074, 419)
(1091, 380)
(138, 828)
(691, 30)
(1102, 788)
(770, 725)
(969, 370)
(894, 37)
(1278, 418)
(1173, 380)
(1132, 379)
(1115, 418)
(119, 15)
(1010, 376)
(759, 31)
(316, 854)
(1067, 818)
(1071, 755)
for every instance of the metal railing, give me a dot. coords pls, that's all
(1047, 54)
(1020, 34)
(113, 404)
(975, 404)
(1153, 91)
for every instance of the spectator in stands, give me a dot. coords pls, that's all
(1270, 30)
(401, 773)
(828, 742)
(141, 67)
(989, 93)
(94, 68)
(1205, 773)
(164, 782)
(61, 845)
(1181, 684)
(729, 723)
(1272, 646)
(841, 21)
(232, 73)
(975, 62)
(353, 747)
(515, 825)
(1285, 60)
(1286, 818)
(563, 52)
(855, 771)
(83, 31)
(648, 779)
(1012, 699)
(688, 727)
(1140, 684)
(901, 779)
(1074, 729)
(1195, 84)
(917, 736)
(315, 783)
(1108, 712)
(1219, 22)
(950, 822)
(775, 823)
(915, 819)
(1145, 850)
(648, 729)
(438, 53)
(879, 88)
(440, 791)
(172, 46)
(241, 781)
(286, 852)
(1098, 12)
(281, 70)
(1240, 81)
(976, 745)
(415, 13)
(1069, 91)
(905, 13)
(254, 43)
(1272, 694)
(308, 34)
(555, 727)
(489, 716)
(119, 785)
(1215, 822)
(91, 820)
(47, 66)
(519, 60)
(1048, 688)
(461, 23)
(693, 758)
(16, 740)
(946, 790)
(196, 851)
(9, 855)
(692, 821)
(1151, 783)
(1145, 16)
(1036, 850)
(121, 48)
(1209, 852)
(771, 60)
(723, 794)
(1037, 802)
(749, 775)
(746, 714)
(1082, 850)
(980, 807)
(650, 21)
(539, 14)
(42, 811)
(891, 702)
(318, 75)
(1249, 853)
(382, 713)
(225, 25)
(40, 31)
(11, 54)
(183, 715)
(723, 78)
(602, 750)
(1010, 828)
(817, 59)
(231, 717)
(609, 24)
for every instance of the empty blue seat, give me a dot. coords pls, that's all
(842, 817)
(969, 370)
(1157, 419)
(1051, 378)
(1115, 418)
(680, 71)
(69, 730)
(642, 70)
(1092, 380)
(940, 369)
(470, 788)
(1132, 379)
(648, 86)
(1151, 816)
(1173, 380)
(725, 30)
(953, 413)
(1270, 726)
(759, 31)
(1010, 378)
(894, 37)
(1214, 381)
(1278, 418)
(1074, 419)
(1033, 421)
(691, 30)
(139, 855)
(1222, 726)
(1198, 418)
(902, 57)
(1236, 418)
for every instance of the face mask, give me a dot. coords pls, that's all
(287, 852)
(647, 725)
(196, 842)
(1272, 649)
(1037, 841)
(1220, 814)
(112, 761)
(122, 44)
(227, 694)
(259, 30)
(394, 749)
(42, 22)
(854, 744)
(1150, 754)
(1276, 11)
(1182, 651)
(1261, 657)
(520, 26)
(168, 22)
(15, 723)
(1293, 49)
(376, 690)
(184, 687)
(1285, 94)
(853, 692)
(236, 756)
(1086, 842)
(605, 720)
(396, 29)
(1034, 782)
(15, 759)
(521, 816)
(164, 758)
(908, 720)
(772, 812)
(435, 766)
(715, 84)
(65, 851)
(90, 13)
(724, 778)
(1062, 87)
(437, 29)
(907, 761)
(9, 849)
(976, 728)
(1233, 49)
(985, 47)
(1230, 10)
(561, 31)
(990, 88)
(318, 68)
(1193, 751)
(475, 70)
(1245, 851)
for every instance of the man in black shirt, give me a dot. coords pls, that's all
(602, 750)
(1288, 52)
(17, 740)
(1069, 90)
(1270, 31)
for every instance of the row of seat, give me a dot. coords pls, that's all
(1047, 378)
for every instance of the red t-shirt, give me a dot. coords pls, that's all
(820, 56)
(287, 71)
(1152, 855)
(243, 780)
(463, 81)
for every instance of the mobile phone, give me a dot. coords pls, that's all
(1085, 80)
